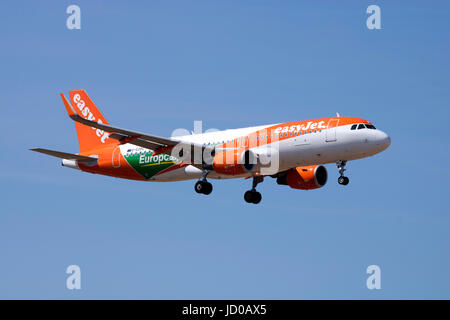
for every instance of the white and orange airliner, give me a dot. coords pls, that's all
(293, 152)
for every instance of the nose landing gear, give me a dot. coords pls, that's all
(202, 185)
(253, 196)
(342, 180)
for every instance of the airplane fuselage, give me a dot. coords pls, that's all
(299, 143)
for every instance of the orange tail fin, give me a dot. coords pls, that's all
(89, 138)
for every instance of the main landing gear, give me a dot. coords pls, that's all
(253, 196)
(343, 180)
(202, 185)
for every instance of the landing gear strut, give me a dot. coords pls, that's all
(343, 180)
(202, 185)
(253, 196)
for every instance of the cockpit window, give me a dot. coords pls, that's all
(361, 126)
(354, 127)
(370, 126)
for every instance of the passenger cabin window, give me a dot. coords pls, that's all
(361, 126)
(354, 126)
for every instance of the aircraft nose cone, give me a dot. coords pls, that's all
(388, 141)
(383, 140)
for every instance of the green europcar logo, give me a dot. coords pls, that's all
(146, 164)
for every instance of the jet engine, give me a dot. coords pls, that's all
(304, 178)
(235, 162)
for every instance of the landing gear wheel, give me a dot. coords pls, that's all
(252, 196)
(248, 196)
(257, 197)
(207, 188)
(198, 187)
(203, 187)
(343, 180)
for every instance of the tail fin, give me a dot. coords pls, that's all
(89, 138)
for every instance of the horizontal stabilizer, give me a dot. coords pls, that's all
(63, 155)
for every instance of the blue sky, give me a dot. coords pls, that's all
(155, 66)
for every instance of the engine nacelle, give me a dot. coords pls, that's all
(305, 178)
(235, 162)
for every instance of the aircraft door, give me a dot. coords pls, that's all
(331, 130)
(116, 157)
(243, 142)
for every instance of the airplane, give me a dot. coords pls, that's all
(293, 153)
